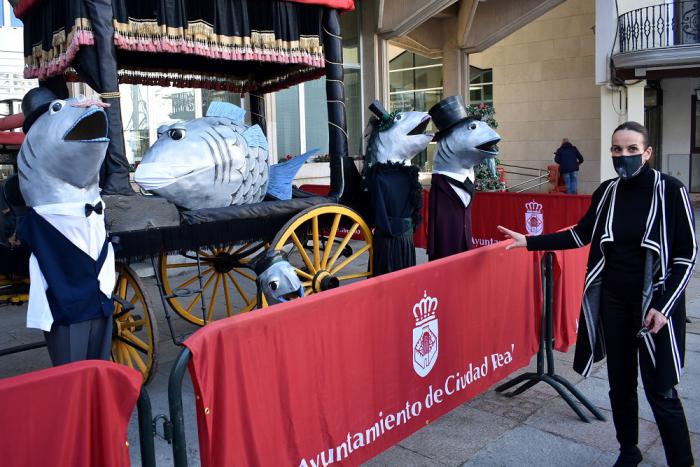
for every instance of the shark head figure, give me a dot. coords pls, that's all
(398, 137)
(277, 279)
(60, 159)
(464, 146)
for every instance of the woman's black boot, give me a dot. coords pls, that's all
(629, 457)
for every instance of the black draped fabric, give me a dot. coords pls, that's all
(80, 34)
(396, 199)
(98, 68)
(200, 227)
(239, 45)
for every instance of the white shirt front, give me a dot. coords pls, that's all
(463, 195)
(88, 234)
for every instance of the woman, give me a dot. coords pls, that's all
(643, 249)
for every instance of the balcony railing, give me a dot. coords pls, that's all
(652, 27)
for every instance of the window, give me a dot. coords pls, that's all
(288, 122)
(134, 107)
(145, 108)
(209, 96)
(14, 21)
(415, 83)
(301, 111)
(480, 86)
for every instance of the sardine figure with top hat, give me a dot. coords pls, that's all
(463, 141)
(71, 268)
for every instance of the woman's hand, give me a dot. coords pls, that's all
(654, 321)
(519, 239)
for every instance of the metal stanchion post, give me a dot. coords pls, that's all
(559, 383)
(148, 453)
(177, 417)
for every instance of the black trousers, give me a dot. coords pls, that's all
(87, 340)
(622, 319)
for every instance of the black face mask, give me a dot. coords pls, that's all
(628, 166)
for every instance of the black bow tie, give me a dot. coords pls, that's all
(466, 185)
(89, 208)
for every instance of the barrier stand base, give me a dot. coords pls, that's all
(559, 383)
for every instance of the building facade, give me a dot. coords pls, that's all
(648, 60)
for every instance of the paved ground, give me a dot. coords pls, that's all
(536, 428)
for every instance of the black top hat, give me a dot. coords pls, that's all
(34, 104)
(266, 259)
(449, 112)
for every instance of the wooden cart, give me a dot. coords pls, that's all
(202, 265)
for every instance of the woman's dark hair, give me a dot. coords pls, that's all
(634, 126)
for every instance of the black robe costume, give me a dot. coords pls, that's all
(449, 221)
(396, 200)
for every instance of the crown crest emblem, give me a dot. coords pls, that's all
(533, 206)
(425, 309)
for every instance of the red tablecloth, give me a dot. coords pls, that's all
(347, 373)
(72, 415)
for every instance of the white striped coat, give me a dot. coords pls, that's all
(669, 240)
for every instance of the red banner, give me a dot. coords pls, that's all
(343, 375)
(529, 213)
(532, 213)
(72, 415)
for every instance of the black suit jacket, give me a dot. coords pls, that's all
(449, 222)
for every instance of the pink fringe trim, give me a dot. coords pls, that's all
(62, 63)
(215, 51)
(58, 65)
(214, 82)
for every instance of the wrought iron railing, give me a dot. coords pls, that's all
(666, 25)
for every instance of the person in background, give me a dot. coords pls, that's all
(643, 248)
(568, 158)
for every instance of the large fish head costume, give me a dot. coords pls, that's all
(208, 162)
(398, 137)
(277, 279)
(60, 159)
(464, 146)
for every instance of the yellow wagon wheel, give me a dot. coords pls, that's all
(227, 284)
(135, 334)
(320, 244)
